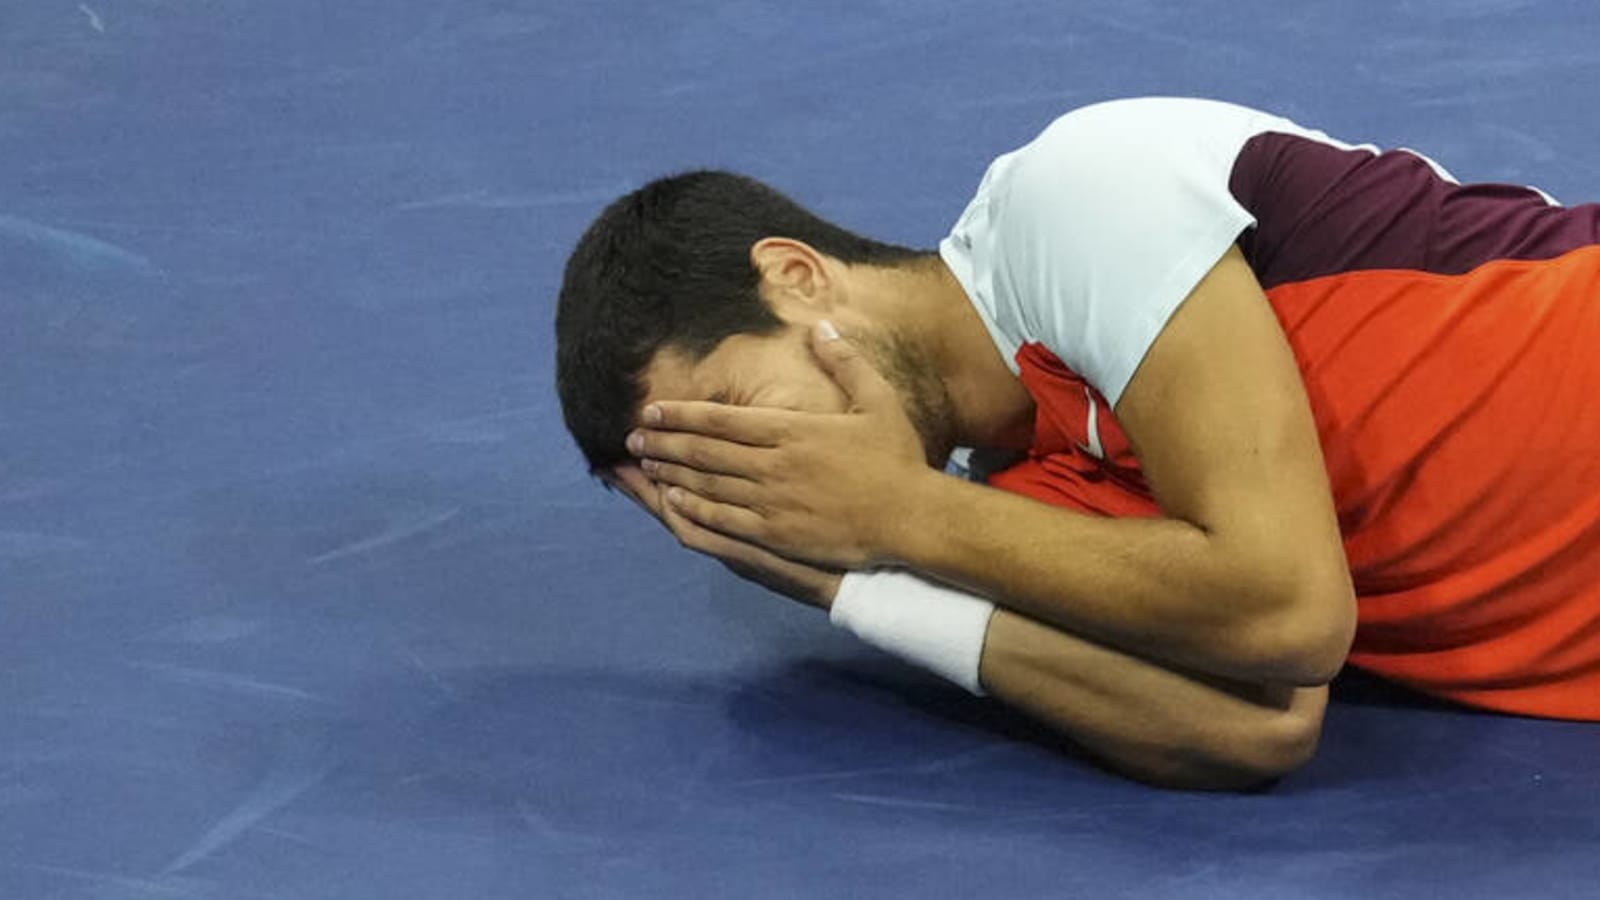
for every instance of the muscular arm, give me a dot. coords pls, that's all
(1244, 578)
(1151, 723)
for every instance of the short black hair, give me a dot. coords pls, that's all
(668, 266)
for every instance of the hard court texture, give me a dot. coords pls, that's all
(305, 594)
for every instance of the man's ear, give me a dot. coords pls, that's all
(793, 272)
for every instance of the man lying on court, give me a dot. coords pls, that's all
(1271, 392)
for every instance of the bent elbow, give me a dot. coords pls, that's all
(1250, 754)
(1289, 741)
(1277, 756)
(1242, 769)
(1322, 642)
(1307, 643)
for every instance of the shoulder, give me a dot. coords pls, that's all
(1122, 144)
(1177, 114)
(1103, 223)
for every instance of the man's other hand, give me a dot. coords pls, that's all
(797, 581)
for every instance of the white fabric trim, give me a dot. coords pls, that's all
(926, 624)
(1548, 200)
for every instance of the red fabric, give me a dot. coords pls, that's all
(1460, 419)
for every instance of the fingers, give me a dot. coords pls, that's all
(721, 488)
(694, 536)
(842, 360)
(809, 585)
(750, 425)
(709, 501)
(638, 487)
(698, 522)
(704, 454)
(722, 518)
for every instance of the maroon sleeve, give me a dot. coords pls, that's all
(1323, 210)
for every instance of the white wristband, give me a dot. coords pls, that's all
(924, 623)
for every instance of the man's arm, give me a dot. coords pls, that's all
(1151, 723)
(1246, 576)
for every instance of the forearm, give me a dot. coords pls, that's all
(1161, 587)
(1150, 722)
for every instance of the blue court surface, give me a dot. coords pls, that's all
(305, 594)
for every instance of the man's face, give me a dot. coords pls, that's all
(780, 370)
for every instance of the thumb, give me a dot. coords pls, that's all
(842, 360)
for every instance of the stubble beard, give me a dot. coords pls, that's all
(922, 393)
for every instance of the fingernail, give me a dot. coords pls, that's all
(675, 496)
(650, 466)
(652, 415)
(636, 443)
(827, 331)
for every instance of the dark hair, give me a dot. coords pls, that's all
(668, 266)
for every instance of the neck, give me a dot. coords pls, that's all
(929, 307)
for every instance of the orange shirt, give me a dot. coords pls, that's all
(1449, 341)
